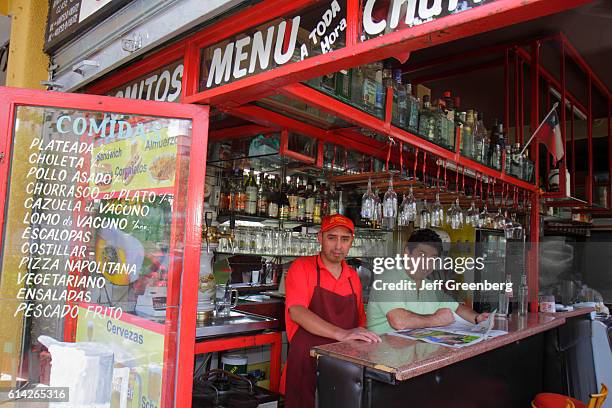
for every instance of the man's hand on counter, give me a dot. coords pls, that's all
(443, 317)
(312, 323)
(482, 317)
(358, 333)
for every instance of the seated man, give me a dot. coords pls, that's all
(390, 310)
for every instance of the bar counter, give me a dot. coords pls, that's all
(502, 371)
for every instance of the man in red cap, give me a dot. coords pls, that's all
(323, 305)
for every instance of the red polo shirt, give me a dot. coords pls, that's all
(302, 278)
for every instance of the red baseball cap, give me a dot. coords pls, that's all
(337, 220)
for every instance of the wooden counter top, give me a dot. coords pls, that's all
(405, 358)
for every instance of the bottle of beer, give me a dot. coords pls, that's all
(283, 202)
(317, 214)
(262, 196)
(292, 196)
(251, 194)
(301, 201)
(310, 203)
(273, 198)
(240, 192)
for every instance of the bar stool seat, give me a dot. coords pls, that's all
(551, 400)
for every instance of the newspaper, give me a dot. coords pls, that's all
(456, 335)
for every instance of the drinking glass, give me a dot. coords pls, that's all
(499, 220)
(425, 216)
(456, 216)
(472, 215)
(503, 304)
(437, 213)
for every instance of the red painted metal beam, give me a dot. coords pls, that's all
(478, 20)
(575, 55)
(467, 55)
(238, 132)
(533, 267)
(553, 81)
(589, 180)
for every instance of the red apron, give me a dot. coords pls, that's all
(341, 311)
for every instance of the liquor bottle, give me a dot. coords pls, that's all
(224, 198)
(301, 201)
(373, 89)
(240, 193)
(262, 196)
(467, 135)
(523, 296)
(293, 199)
(449, 110)
(344, 84)
(443, 127)
(481, 140)
(310, 203)
(328, 83)
(497, 144)
(318, 199)
(333, 200)
(324, 200)
(449, 105)
(427, 120)
(389, 206)
(413, 107)
(341, 199)
(283, 202)
(357, 86)
(400, 110)
(251, 194)
(273, 198)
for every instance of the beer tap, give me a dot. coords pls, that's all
(212, 233)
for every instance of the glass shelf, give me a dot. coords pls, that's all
(287, 255)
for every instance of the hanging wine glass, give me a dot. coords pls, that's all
(517, 228)
(403, 216)
(499, 222)
(425, 216)
(457, 220)
(472, 215)
(408, 211)
(508, 225)
(411, 206)
(368, 203)
(484, 217)
(378, 211)
(389, 206)
(437, 213)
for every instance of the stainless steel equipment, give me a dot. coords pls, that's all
(236, 323)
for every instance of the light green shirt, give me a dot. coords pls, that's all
(382, 301)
